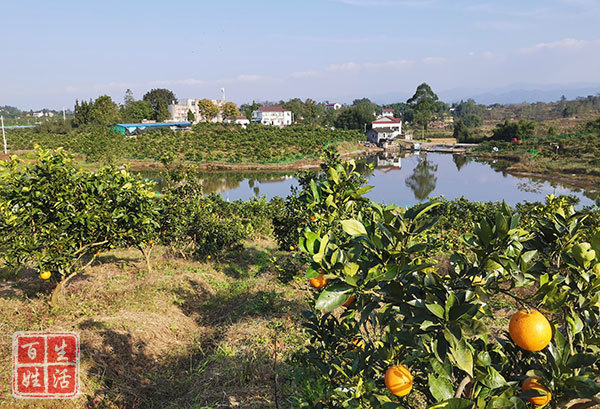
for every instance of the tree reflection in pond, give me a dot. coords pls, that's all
(460, 160)
(423, 180)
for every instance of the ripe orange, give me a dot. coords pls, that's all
(318, 282)
(534, 383)
(530, 330)
(398, 380)
(44, 275)
(350, 301)
(292, 248)
(359, 343)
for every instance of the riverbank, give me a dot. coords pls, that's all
(346, 150)
(524, 165)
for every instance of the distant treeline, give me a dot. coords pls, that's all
(154, 106)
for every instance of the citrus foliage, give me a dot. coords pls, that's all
(206, 142)
(58, 219)
(437, 319)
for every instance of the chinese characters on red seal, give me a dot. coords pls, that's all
(45, 365)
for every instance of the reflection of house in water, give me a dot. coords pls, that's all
(220, 185)
(386, 162)
(278, 179)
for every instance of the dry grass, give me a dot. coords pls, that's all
(187, 335)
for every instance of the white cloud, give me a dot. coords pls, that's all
(304, 74)
(371, 66)
(348, 66)
(565, 44)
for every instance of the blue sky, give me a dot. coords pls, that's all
(55, 52)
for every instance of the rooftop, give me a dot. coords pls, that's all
(387, 120)
(272, 109)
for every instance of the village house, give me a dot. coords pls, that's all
(384, 130)
(272, 116)
(386, 112)
(179, 112)
(239, 120)
(333, 105)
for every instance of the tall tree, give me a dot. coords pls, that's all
(230, 110)
(423, 103)
(207, 109)
(190, 116)
(355, 117)
(104, 111)
(136, 111)
(81, 113)
(159, 99)
(128, 99)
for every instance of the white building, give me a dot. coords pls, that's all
(239, 120)
(272, 116)
(180, 111)
(386, 112)
(384, 129)
(333, 105)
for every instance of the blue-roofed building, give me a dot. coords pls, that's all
(133, 129)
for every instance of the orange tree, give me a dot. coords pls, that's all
(437, 320)
(58, 219)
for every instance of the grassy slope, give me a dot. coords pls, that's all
(188, 335)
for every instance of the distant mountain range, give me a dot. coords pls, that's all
(513, 94)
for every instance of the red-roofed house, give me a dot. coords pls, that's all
(384, 129)
(333, 105)
(387, 112)
(272, 116)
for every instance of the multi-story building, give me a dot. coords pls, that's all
(384, 130)
(272, 116)
(179, 112)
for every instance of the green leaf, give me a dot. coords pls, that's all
(493, 379)
(333, 175)
(463, 357)
(440, 388)
(311, 273)
(354, 227)
(332, 297)
(436, 310)
(350, 269)
(454, 403)
(581, 360)
(575, 324)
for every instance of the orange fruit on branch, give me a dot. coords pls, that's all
(530, 330)
(318, 282)
(398, 380)
(534, 383)
(45, 275)
(359, 343)
(350, 301)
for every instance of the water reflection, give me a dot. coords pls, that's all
(423, 180)
(406, 179)
(460, 160)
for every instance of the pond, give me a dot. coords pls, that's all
(408, 178)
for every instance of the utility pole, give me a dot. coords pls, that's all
(64, 116)
(3, 134)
